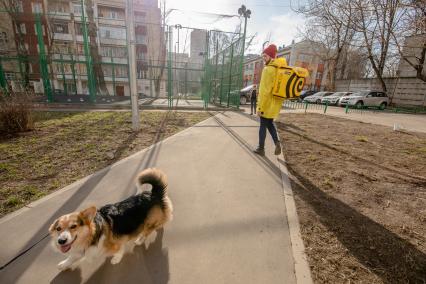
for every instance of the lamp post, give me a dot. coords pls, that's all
(242, 11)
(263, 45)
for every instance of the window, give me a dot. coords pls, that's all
(58, 8)
(77, 9)
(61, 28)
(3, 37)
(20, 6)
(9, 76)
(37, 7)
(121, 71)
(113, 33)
(21, 29)
(140, 17)
(140, 39)
(78, 29)
(111, 13)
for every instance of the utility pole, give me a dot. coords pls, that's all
(132, 65)
(243, 11)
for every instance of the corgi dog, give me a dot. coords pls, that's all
(110, 227)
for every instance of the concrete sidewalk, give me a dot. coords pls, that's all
(230, 221)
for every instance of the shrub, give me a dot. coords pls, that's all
(15, 112)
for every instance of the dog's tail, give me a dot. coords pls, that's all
(157, 179)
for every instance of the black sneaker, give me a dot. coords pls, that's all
(259, 151)
(277, 149)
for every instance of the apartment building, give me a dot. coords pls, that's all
(64, 39)
(150, 48)
(108, 46)
(19, 44)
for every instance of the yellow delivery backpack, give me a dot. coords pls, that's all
(289, 81)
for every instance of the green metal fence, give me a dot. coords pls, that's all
(82, 56)
(224, 79)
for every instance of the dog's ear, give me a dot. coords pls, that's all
(53, 226)
(88, 213)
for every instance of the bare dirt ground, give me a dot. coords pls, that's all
(360, 191)
(65, 147)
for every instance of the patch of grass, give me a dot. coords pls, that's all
(312, 157)
(422, 150)
(361, 138)
(68, 146)
(327, 182)
(12, 201)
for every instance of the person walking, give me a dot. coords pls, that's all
(268, 106)
(253, 100)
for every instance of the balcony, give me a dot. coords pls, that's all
(112, 22)
(117, 60)
(58, 36)
(113, 41)
(59, 16)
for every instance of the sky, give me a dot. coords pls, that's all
(272, 20)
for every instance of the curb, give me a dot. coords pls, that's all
(302, 270)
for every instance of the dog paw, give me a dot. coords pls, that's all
(64, 265)
(116, 259)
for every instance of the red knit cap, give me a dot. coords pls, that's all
(271, 50)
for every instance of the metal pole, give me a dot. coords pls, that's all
(221, 78)
(113, 76)
(169, 67)
(230, 73)
(43, 60)
(89, 62)
(73, 74)
(132, 66)
(63, 75)
(241, 81)
(3, 82)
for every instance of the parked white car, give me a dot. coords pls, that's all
(316, 98)
(335, 98)
(367, 99)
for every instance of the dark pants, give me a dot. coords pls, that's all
(267, 123)
(253, 106)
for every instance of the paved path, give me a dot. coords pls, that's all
(230, 221)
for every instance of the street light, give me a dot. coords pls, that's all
(263, 45)
(243, 11)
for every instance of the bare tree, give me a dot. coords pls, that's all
(327, 27)
(376, 20)
(410, 37)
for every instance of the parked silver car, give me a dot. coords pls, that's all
(335, 98)
(316, 98)
(367, 99)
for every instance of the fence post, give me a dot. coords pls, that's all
(221, 78)
(43, 60)
(230, 74)
(3, 82)
(325, 107)
(169, 69)
(306, 106)
(89, 62)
